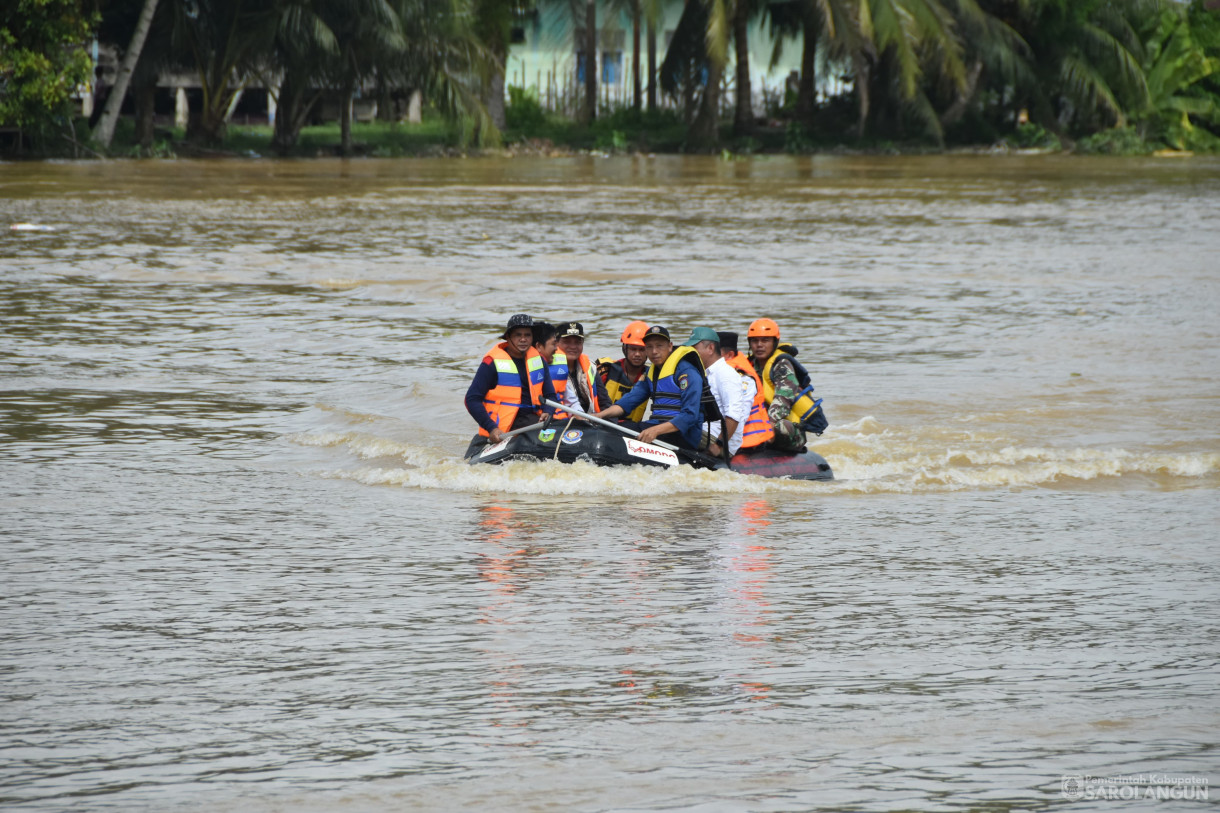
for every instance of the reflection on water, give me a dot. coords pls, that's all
(245, 567)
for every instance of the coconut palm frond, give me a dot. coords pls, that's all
(1101, 44)
(920, 108)
(1086, 84)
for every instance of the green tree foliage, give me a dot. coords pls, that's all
(1175, 67)
(43, 59)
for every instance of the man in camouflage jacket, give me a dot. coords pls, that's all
(783, 377)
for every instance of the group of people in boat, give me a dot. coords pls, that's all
(704, 395)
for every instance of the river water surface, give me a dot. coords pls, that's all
(244, 568)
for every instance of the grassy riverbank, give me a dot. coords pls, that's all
(622, 132)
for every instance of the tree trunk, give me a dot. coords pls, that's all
(494, 99)
(637, 90)
(958, 109)
(292, 112)
(145, 96)
(743, 118)
(493, 88)
(345, 119)
(104, 132)
(207, 125)
(807, 87)
(385, 101)
(705, 131)
(652, 65)
(863, 77)
(590, 108)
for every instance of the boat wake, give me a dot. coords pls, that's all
(868, 457)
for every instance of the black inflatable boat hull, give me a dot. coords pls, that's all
(605, 447)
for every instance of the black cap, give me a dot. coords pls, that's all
(571, 329)
(656, 330)
(728, 340)
(517, 320)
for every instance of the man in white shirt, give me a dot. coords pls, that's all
(732, 357)
(725, 383)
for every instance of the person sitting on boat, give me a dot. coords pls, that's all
(573, 374)
(791, 407)
(546, 339)
(756, 432)
(675, 385)
(726, 387)
(510, 385)
(620, 376)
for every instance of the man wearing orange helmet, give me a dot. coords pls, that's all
(620, 376)
(791, 407)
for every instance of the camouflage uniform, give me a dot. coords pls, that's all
(787, 389)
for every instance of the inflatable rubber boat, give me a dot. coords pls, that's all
(568, 442)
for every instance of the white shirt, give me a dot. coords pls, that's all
(730, 395)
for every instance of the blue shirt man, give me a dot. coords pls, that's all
(676, 409)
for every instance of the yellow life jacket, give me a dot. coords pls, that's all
(805, 406)
(617, 384)
(667, 393)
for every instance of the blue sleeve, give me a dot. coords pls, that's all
(636, 396)
(548, 389)
(691, 415)
(484, 380)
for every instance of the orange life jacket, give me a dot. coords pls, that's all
(504, 399)
(757, 430)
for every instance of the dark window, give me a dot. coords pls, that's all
(612, 67)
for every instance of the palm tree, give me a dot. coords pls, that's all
(303, 43)
(589, 110)
(493, 25)
(902, 37)
(227, 42)
(991, 48)
(367, 35)
(1085, 60)
(103, 132)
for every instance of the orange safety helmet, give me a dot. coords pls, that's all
(634, 333)
(763, 327)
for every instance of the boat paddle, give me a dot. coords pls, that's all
(540, 425)
(707, 460)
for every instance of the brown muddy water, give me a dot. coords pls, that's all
(244, 568)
